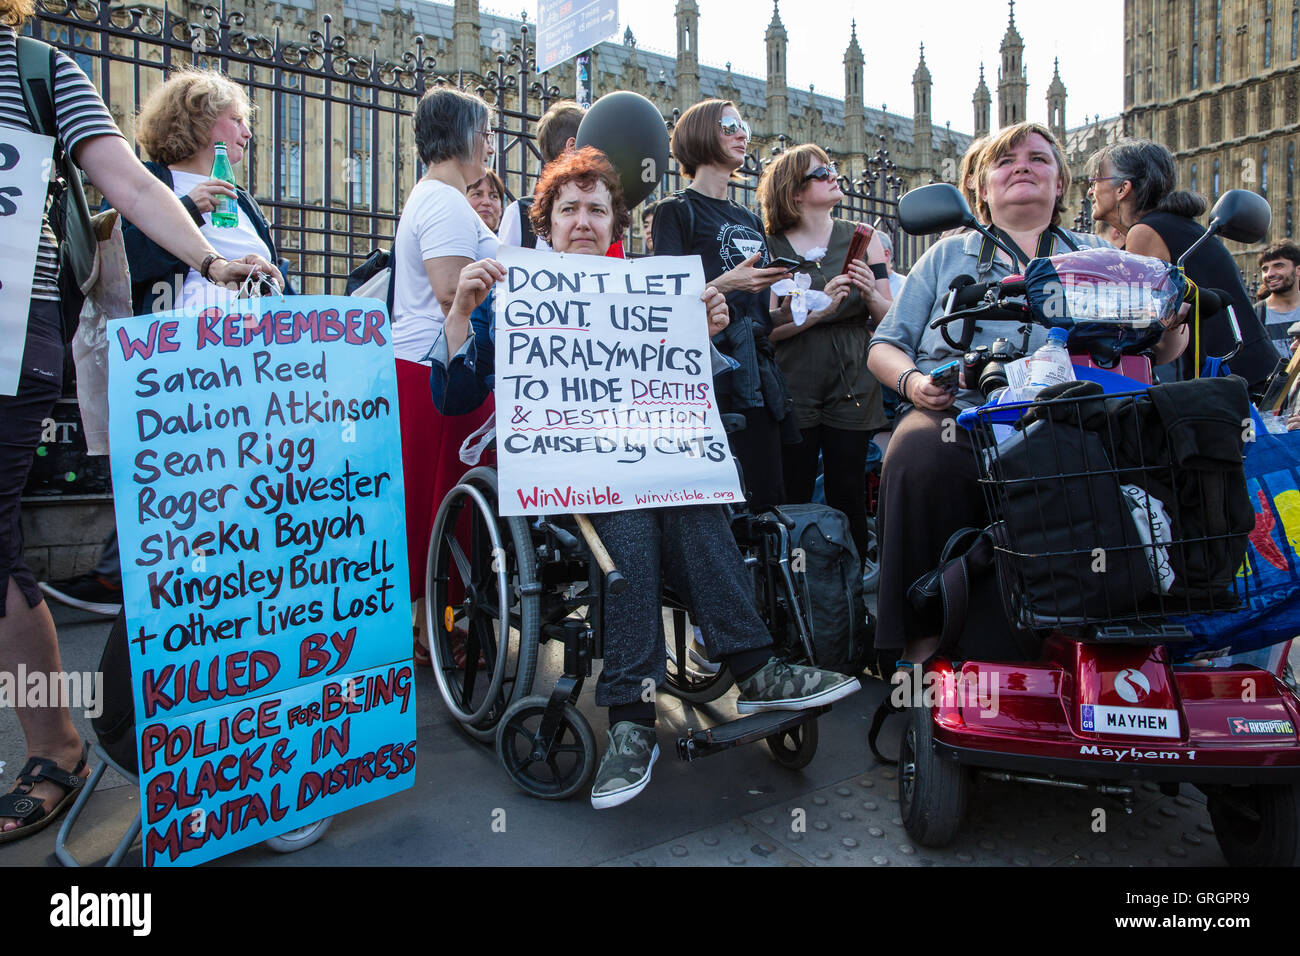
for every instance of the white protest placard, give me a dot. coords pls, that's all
(25, 163)
(604, 387)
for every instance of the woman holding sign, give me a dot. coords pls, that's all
(823, 350)
(578, 208)
(710, 143)
(438, 235)
(76, 120)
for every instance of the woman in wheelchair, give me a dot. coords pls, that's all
(579, 209)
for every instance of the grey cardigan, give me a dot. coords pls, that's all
(906, 325)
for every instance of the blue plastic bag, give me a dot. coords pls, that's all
(1271, 573)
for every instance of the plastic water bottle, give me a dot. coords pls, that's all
(1050, 363)
(226, 213)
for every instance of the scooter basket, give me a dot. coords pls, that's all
(1096, 523)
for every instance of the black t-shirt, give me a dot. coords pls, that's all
(1213, 267)
(724, 234)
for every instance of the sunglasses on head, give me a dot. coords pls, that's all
(731, 126)
(823, 173)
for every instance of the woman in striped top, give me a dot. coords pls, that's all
(86, 131)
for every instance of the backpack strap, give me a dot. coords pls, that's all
(527, 237)
(36, 67)
(688, 218)
(37, 70)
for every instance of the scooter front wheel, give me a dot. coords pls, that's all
(931, 792)
(1257, 825)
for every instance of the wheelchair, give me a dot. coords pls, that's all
(498, 587)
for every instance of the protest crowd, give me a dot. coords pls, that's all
(836, 390)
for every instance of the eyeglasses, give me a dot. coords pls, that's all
(1094, 180)
(731, 126)
(823, 173)
(486, 133)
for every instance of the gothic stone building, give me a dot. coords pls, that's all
(1218, 82)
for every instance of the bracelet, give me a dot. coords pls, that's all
(879, 270)
(206, 267)
(902, 380)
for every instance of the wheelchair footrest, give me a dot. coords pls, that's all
(743, 730)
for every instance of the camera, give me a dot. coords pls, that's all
(985, 366)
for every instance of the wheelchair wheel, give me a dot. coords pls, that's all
(562, 772)
(484, 644)
(871, 560)
(794, 748)
(299, 839)
(931, 792)
(689, 675)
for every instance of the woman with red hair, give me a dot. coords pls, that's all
(578, 207)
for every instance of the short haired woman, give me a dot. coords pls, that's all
(1132, 184)
(579, 208)
(179, 126)
(438, 235)
(486, 197)
(836, 399)
(710, 142)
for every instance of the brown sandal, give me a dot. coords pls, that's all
(30, 812)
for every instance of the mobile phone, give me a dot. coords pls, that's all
(786, 262)
(945, 376)
(857, 245)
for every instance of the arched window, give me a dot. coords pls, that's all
(1216, 179)
(1268, 33)
(288, 121)
(1193, 179)
(1263, 172)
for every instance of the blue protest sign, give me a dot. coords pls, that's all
(566, 28)
(258, 482)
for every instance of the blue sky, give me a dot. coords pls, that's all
(1088, 38)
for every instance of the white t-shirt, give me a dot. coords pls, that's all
(511, 232)
(437, 221)
(232, 243)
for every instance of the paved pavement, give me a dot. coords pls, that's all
(737, 808)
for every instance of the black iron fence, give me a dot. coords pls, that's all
(337, 155)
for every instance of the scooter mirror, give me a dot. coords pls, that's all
(1240, 215)
(933, 208)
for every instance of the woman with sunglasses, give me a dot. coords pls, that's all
(709, 143)
(438, 234)
(824, 354)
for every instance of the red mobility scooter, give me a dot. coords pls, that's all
(1100, 702)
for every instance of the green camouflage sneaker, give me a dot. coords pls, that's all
(781, 686)
(625, 769)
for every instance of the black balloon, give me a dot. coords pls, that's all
(627, 128)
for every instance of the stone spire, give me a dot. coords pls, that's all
(465, 37)
(921, 112)
(982, 101)
(1012, 87)
(777, 111)
(1056, 103)
(688, 61)
(855, 117)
